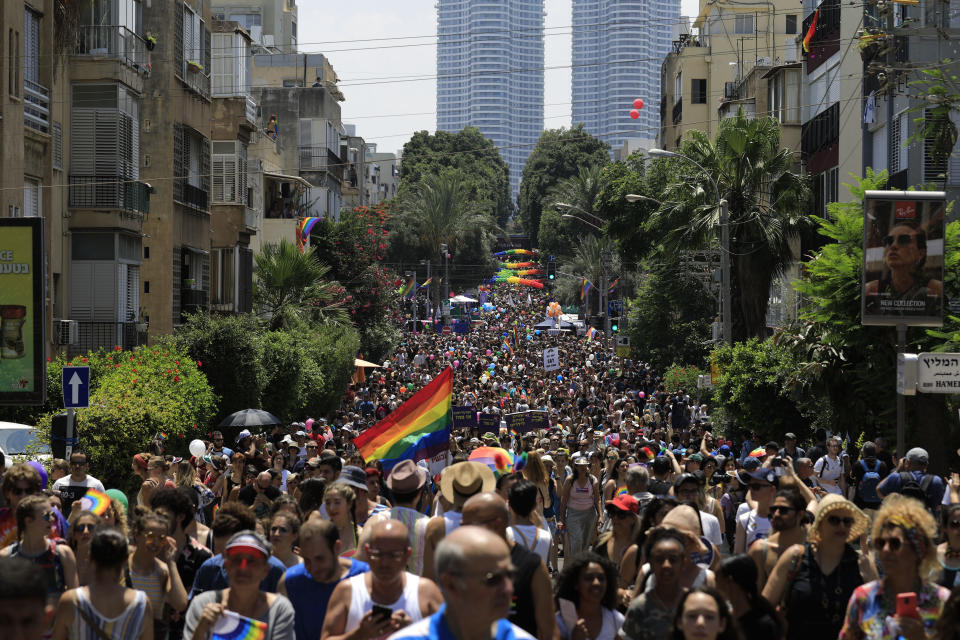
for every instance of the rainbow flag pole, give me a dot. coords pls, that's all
(418, 430)
(585, 287)
(811, 31)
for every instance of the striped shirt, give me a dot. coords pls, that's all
(126, 626)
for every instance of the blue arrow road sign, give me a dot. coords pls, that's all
(75, 382)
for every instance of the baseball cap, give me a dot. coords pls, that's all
(696, 457)
(789, 435)
(751, 464)
(624, 502)
(763, 475)
(248, 541)
(353, 476)
(243, 434)
(918, 455)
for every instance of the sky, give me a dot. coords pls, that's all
(385, 54)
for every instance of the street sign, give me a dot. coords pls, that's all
(907, 374)
(75, 382)
(551, 359)
(446, 330)
(938, 373)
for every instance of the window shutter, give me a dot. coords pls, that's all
(179, 40)
(933, 168)
(189, 28)
(220, 65)
(31, 46)
(57, 146)
(894, 161)
(205, 53)
(241, 172)
(179, 162)
(177, 283)
(82, 141)
(32, 204)
(204, 163)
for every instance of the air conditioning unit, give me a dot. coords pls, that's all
(729, 90)
(268, 40)
(67, 332)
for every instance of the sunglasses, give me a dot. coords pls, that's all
(84, 527)
(894, 543)
(492, 579)
(902, 240)
(781, 509)
(836, 521)
(673, 558)
(279, 530)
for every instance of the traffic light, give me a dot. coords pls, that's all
(551, 270)
(614, 325)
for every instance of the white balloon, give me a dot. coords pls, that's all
(197, 448)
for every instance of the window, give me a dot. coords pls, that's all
(743, 23)
(791, 24)
(229, 161)
(784, 96)
(57, 146)
(104, 145)
(698, 91)
(678, 87)
(934, 169)
(230, 71)
(825, 190)
(223, 272)
(898, 139)
(191, 167)
(247, 20)
(31, 46)
(32, 198)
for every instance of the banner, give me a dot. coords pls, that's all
(464, 417)
(489, 423)
(516, 422)
(551, 359)
(537, 420)
(22, 342)
(527, 421)
(903, 238)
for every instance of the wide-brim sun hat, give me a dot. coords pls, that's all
(832, 503)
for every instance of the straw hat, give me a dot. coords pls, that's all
(464, 479)
(833, 502)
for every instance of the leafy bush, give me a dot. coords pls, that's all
(679, 377)
(134, 396)
(378, 341)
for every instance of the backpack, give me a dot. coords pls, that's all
(868, 483)
(913, 489)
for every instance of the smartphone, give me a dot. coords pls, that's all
(907, 605)
(380, 611)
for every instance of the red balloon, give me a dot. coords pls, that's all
(638, 103)
(634, 114)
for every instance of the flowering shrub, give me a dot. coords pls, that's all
(682, 377)
(134, 396)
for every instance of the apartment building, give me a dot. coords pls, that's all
(355, 189)
(271, 24)
(617, 48)
(383, 175)
(903, 40)
(707, 64)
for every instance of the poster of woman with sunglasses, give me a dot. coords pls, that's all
(903, 258)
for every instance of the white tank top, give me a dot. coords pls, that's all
(361, 602)
(451, 520)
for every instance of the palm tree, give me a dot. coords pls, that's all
(767, 203)
(291, 287)
(569, 210)
(591, 255)
(441, 212)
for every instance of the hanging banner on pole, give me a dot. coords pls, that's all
(903, 258)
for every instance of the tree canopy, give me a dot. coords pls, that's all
(485, 174)
(559, 154)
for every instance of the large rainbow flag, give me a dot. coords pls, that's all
(585, 288)
(304, 227)
(418, 430)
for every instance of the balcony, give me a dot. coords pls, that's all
(251, 218)
(194, 300)
(826, 36)
(113, 41)
(108, 192)
(251, 110)
(313, 158)
(677, 110)
(93, 335)
(192, 196)
(198, 81)
(36, 106)
(820, 131)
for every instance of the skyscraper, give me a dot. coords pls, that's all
(618, 47)
(490, 73)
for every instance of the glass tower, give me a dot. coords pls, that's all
(490, 73)
(618, 47)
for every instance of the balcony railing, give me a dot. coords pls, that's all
(113, 41)
(821, 130)
(313, 158)
(194, 300)
(108, 192)
(192, 196)
(93, 335)
(251, 110)
(198, 81)
(36, 106)
(677, 110)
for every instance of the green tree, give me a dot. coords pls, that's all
(486, 176)
(559, 154)
(845, 371)
(767, 203)
(290, 287)
(670, 317)
(135, 396)
(574, 196)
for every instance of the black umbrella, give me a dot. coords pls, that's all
(250, 418)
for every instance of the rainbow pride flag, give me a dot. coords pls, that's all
(418, 430)
(304, 227)
(622, 489)
(96, 501)
(811, 31)
(759, 452)
(613, 285)
(499, 460)
(233, 626)
(585, 287)
(406, 290)
(425, 283)
(591, 332)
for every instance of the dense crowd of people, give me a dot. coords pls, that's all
(629, 515)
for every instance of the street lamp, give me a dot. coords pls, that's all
(636, 197)
(570, 216)
(603, 293)
(726, 317)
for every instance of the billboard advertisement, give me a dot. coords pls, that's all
(22, 362)
(903, 258)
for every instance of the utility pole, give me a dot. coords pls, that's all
(605, 294)
(726, 299)
(413, 299)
